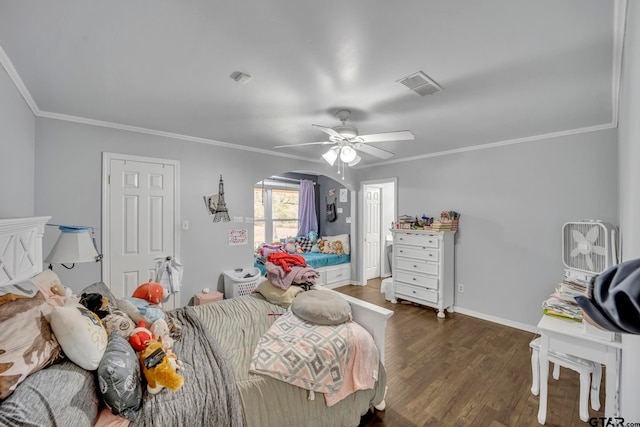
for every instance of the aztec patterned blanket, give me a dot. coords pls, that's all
(304, 354)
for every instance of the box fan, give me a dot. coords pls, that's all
(589, 246)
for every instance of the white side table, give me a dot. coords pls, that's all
(566, 336)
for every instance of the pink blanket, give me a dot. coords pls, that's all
(361, 372)
(297, 275)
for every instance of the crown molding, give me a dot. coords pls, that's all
(496, 144)
(129, 128)
(17, 81)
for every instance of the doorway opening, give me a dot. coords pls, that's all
(379, 207)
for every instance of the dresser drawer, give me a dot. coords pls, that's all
(427, 241)
(415, 252)
(337, 274)
(416, 279)
(429, 295)
(419, 265)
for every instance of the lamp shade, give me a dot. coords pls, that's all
(73, 245)
(331, 156)
(348, 154)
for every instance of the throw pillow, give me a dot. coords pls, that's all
(322, 307)
(304, 243)
(344, 238)
(26, 341)
(278, 296)
(80, 334)
(119, 378)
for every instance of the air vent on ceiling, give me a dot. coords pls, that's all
(420, 83)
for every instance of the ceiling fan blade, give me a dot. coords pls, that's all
(329, 131)
(399, 135)
(305, 143)
(374, 151)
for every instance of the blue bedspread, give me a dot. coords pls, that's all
(313, 259)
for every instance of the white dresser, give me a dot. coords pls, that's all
(423, 267)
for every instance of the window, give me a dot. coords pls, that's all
(275, 212)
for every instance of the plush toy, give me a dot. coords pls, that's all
(290, 246)
(60, 290)
(158, 370)
(118, 322)
(153, 292)
(336, 247)
(141, 337)
(313, 236)
(133, 312)
(160, 329)
(315, 248)
(96, 303)
(322, 244)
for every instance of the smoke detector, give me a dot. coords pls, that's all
(240, 77)
(420, 83)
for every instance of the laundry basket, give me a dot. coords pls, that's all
(241, 281)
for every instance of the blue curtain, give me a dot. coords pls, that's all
(307, 219)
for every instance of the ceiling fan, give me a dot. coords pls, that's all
(348, 141)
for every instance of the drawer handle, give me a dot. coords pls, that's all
(414, 279)
(415, 266)
(401, 251)
(430, 241)
(413, 292)
(430, 254)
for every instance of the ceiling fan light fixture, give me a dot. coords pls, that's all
(331, 156)
(355, 162)
(348, 154)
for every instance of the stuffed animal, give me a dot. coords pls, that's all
(322, 244)
(133, 312)
(153, 292)
(96, 303)
(141, 337)
(158, 370)
(336, 247)
(313, 236)
(118, 322)
(160, 329)
(290, 246)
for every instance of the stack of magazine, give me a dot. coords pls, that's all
(562, 303)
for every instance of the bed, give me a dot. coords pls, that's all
(216, 344)
(334, 269)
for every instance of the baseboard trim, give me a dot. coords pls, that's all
(496, 319)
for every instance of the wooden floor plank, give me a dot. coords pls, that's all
(462, 371)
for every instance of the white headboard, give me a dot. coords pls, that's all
(21, 248)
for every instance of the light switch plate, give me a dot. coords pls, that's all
(339, 210)
(237, 219)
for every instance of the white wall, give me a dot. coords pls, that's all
(68, 187)
(629, 155)
(17, 129)
(513, 200)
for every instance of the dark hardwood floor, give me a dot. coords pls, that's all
(462, 371)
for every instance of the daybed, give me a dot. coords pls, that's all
(216, 344)
(334, 269)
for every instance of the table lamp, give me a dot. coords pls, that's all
(74, 245)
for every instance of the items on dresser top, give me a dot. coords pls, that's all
(423, 268)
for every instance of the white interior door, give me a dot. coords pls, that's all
(372, 232)
(139, 220)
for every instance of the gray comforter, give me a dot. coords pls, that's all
(209, 396)
(237, 325)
